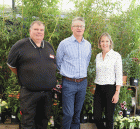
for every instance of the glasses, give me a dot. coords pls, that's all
(79, 26)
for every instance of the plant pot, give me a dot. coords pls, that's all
(133, 81)
(92, 90)
(90, 117)
(124, 80)
(83, 118)
(14, 119)
(1, 118)
(124, 113)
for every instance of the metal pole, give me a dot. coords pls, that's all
(13, 5)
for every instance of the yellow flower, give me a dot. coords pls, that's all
(49, 123)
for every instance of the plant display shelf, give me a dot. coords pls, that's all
(136, 89)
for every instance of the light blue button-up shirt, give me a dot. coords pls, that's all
(73, 57)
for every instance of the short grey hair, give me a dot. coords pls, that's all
(78, 19)
(37, 22)
(107, 35)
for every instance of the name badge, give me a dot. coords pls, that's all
(51, 56)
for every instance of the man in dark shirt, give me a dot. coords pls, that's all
(33, 60)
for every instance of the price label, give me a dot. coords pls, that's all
(12, 116)
(85, 117)
(135, 81)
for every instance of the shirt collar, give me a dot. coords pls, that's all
(35, 46)
(74, 39)
(108, 53)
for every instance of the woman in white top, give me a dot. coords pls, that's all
(108, 82)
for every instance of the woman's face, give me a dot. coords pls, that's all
(105, 43)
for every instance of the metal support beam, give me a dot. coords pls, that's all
(13, 5)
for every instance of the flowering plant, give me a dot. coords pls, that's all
(125, 101)
(127, 122)
(123, 107)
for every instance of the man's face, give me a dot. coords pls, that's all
(37, 33)
(78, 28)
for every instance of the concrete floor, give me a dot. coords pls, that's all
(88, 126)
(9, 125)
(82, 126)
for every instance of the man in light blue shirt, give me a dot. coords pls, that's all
(73, 57)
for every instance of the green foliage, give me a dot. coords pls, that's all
(125, 95)
(135, 65)
(100, 16)
(57, 113)
(131, 64)
(12, 88)
(88, 103)
(91, 73)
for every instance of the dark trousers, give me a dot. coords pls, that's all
(103, 100)
(35, 108)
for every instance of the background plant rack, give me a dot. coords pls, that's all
(136, 90)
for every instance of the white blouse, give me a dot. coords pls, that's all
(109, 70)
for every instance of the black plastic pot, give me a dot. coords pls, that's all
(124, 113)
(0, 118)
(90, 118)
(83, 118)
(14, 119)
(133, 81)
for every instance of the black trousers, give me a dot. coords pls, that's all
(103, 100)
(35, 108)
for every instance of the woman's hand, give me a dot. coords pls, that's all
(115, 98)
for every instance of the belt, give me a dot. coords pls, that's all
(74, 79)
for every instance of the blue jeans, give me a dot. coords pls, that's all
(73, 96)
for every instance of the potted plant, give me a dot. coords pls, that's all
(12, 97)
(126, 63)
(91, 77)
(134, 71)
(87, 109)
(91, 72)
(127, 122)
(131, 66)
(125, 98)
(14, 105)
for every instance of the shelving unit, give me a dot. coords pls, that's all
(136, 89)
